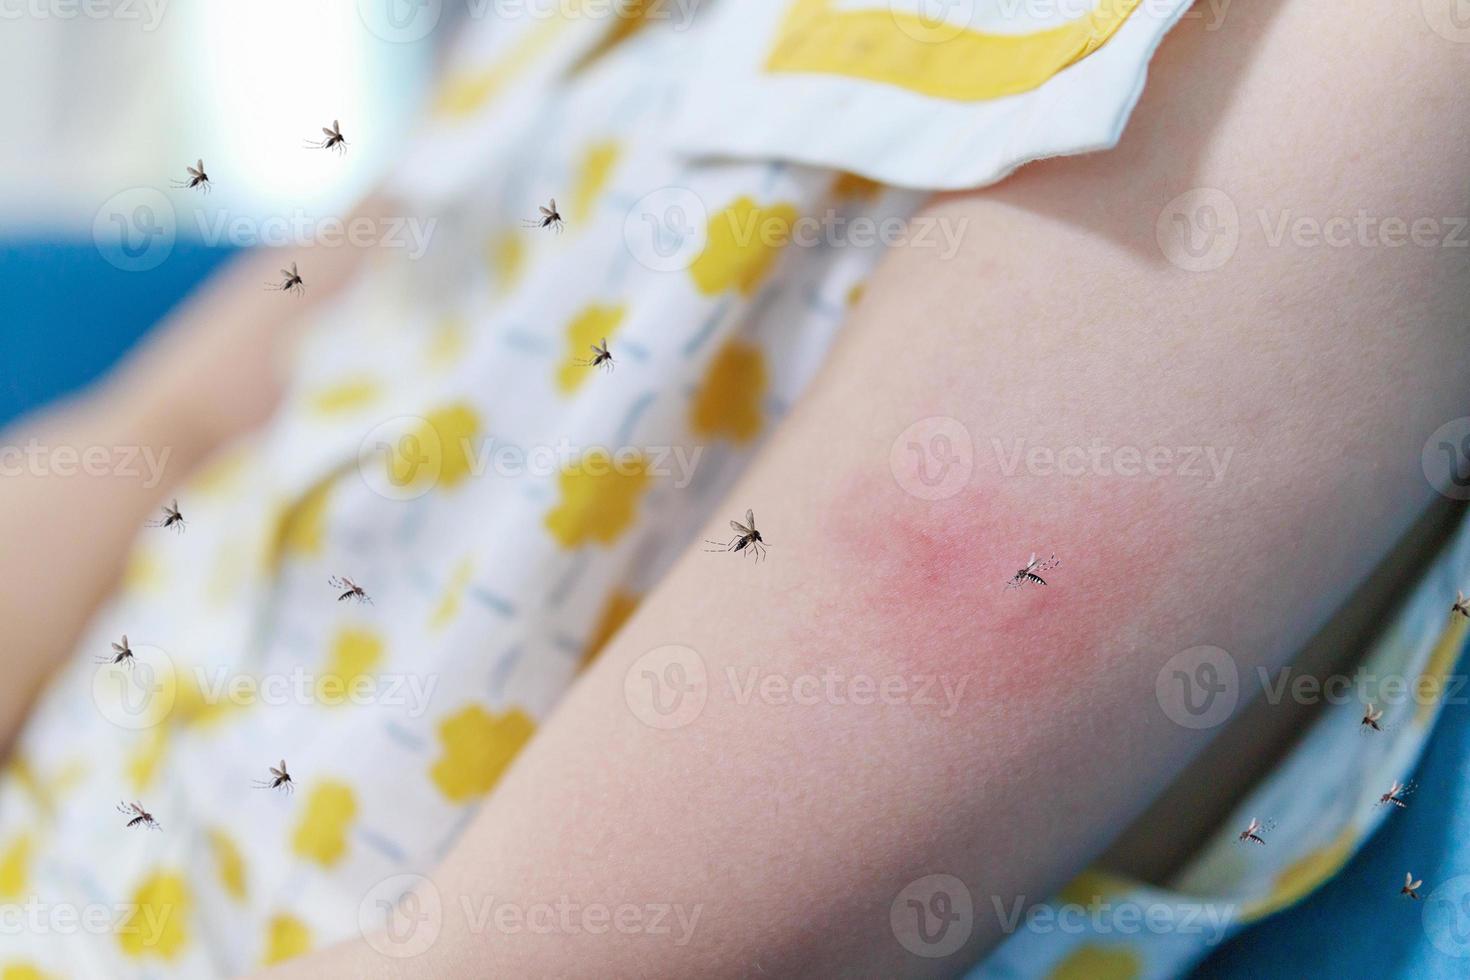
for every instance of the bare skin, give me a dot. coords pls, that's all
(790, 828)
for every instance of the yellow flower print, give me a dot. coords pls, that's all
(728, 402)
(15, 867)
(1432, 683)
(852, 186)
(229, 863)
(599, 498)
(302, 526)
(147, 757)
(448, 606)
(441, 451)
(286, 937)
(143, 572)
(329, 812)
(353, 656)
(743, 240)
(478, 746)
(158, 922)
(1095, 962)
(447, 343)
(1300, 878)
(593, 172)
(587, 328)
(345, 396)
(23, 971)
(506, 256)
(615, 612)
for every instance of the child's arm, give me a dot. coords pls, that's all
(207, 375)
(790, 828)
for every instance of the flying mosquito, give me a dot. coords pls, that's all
(1370, 718)
(601, 356)
(1461, 606)
(334, 139)
(292, 283)
(1253, 832)
(350, 589)
(747, 538)
(1395, 795)
(550, 218)
(1411, 887)
(171, 517)
(1032, 572)
(121, 654)
(197, 178)
(280, 779)
(138, 815)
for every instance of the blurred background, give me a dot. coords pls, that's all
(111, 99)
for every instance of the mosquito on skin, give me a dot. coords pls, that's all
(550, 218)
(1411, 887)
(747, 538)
(138, 815)
(291, 284)
(197, 178)
(1395, 795)
(1461, 606)
(1032, 572)
(1252, 833)
(280, 779)
(171, 517)
(121, 654)
(601, 356)
(350, 589)
(334, 140)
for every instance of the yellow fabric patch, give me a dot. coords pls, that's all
(302, 526)
(1441, 662)
(448, 342)
(478, 746)
(448, 606)
(439, 452)
(15, 867)
(935, 59)
(466, 92)
(286, 937)
(158, 924)
(728, 402)
(23, 971)
(851, 186)
(354, 655)
(228, 862)
(615, 612)
(1304, 875)
(506, 256)
(599, 498)
(585, 329)
(1094, 962)
(346, 396)
(593, 172)
(331, 808)
(145, 759)
(742, 242)
(143, 572)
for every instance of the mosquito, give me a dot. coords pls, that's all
(291, 284)
(550, 218)
(1461, 606)
(171, 517)
(1032, 572)
(1411, 887)
(350, 589)
(601, 356)
(197, 178)
(138, 815)
(121, 654)
(334, 140)
(1395, 795)
(1370, 718)
(747, 538)
(1253, 832)
(280, 779)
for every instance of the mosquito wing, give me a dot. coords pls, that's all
(739, 528)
